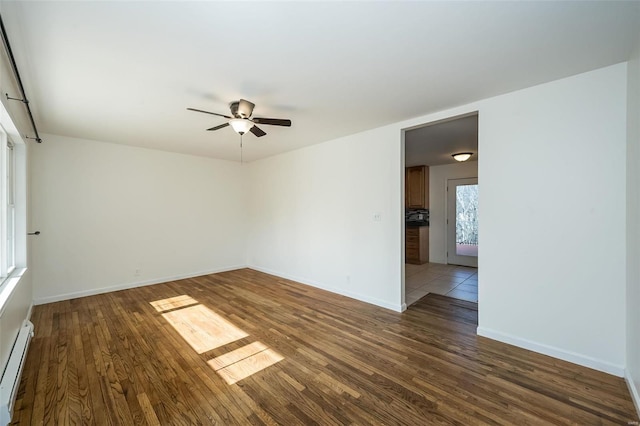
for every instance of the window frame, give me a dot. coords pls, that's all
(7, 206)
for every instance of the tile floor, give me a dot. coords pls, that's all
(459, 282)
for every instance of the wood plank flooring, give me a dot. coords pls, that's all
(296, 356)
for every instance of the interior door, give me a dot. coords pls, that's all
(462, 222)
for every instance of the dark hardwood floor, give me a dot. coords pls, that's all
(166, 354)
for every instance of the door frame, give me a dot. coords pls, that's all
(464, 113)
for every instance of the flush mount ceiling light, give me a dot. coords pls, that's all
(462, 156)
(241, 125)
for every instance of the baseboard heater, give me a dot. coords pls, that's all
(11, 378)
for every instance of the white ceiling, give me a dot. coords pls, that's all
(434, 145)
(125, 72)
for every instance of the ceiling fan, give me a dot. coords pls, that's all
(241, 119)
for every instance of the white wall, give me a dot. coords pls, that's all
(552, 167)
(633, 226)
(552, 218)
(553, 160)
(16, 311)
(312, 216)
(114, 216)
(438, 177)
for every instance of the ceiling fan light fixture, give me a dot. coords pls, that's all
(462, 156)
(241, 125)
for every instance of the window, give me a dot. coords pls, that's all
(8, 207)
(13, 208)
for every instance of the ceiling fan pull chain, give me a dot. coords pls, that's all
(241, 150)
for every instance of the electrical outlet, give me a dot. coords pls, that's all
(136, 273)
(377, 217)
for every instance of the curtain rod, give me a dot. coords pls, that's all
(14, 67)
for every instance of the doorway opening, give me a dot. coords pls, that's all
(441, 210)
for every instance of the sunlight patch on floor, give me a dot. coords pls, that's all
(173, 303)
(241, 363)
(205, 330)
(237, 355)
(202, 328)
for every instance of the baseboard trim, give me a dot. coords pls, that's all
(573, 357)
(322, 286)
(633, 389)
(125, 286)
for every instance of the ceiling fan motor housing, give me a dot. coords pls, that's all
(234, 109)
(241, 108)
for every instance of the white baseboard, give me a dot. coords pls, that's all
(125, 286)
(576, 358)
(360, 297)
(634, 389)
(94, 291)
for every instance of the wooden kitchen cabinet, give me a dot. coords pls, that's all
(416, 187)
(417, 244)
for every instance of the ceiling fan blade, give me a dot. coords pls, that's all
(257, 131)
(219, 127)
(245, 108)
(272, 121)
(207, 112)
